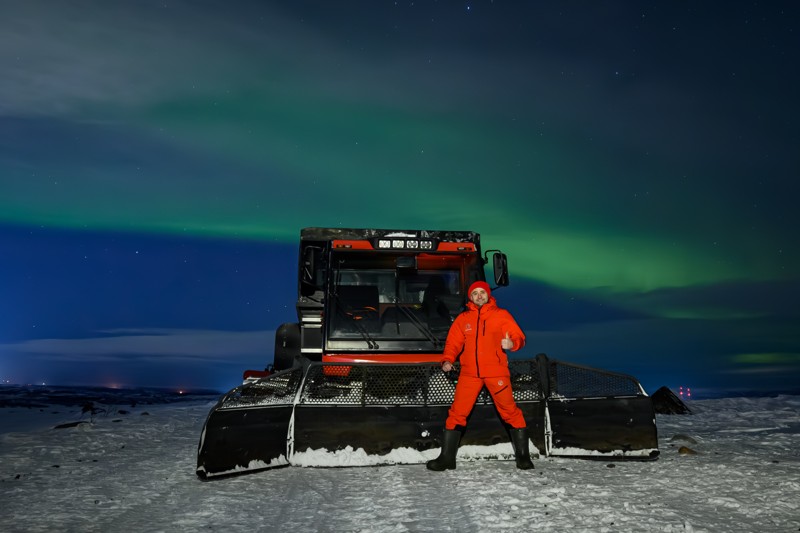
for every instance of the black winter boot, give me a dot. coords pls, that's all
(519, 438)
(446, 459)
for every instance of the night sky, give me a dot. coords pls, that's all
(638, 162)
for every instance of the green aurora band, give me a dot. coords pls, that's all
(254, 133)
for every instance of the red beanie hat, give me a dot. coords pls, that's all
(479, 285)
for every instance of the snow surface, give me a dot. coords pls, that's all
(133, 471)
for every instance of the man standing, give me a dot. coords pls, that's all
(479, 337)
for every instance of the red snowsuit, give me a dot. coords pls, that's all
(475, 338)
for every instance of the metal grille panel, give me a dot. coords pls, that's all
(575, 381)
(411, 384)
(277, 389)
(387, 384)
(526, 382)
(381, 384)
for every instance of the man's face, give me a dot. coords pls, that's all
(479, 297)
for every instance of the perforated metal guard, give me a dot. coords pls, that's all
(384, 384)
(400, 384)
(575, 381)
(277, 389)
(376, 385)
(526, 382)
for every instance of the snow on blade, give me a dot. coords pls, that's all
(350, 457)
(399, 456)
(255, 464)
(579, 452)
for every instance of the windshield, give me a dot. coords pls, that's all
(385, 306)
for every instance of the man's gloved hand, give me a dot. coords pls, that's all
(450, 371)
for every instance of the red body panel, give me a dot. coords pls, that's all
(395, 358)
(256, 374)
(382, 358)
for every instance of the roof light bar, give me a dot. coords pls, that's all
(405, 242)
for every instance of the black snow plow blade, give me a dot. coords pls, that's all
(289, 418)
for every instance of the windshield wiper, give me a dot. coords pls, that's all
(371, 343)
(423, 327)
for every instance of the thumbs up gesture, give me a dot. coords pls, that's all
(507, 343)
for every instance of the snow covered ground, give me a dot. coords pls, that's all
(132, 469)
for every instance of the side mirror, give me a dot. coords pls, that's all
(500, 265)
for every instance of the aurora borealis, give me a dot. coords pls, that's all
(638, 164)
